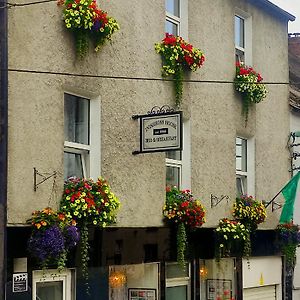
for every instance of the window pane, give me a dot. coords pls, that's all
(173, 176)
(241, 155)
(175, 271)
(171, 28)
(49, 290)
(239, 187)
(239, 55)
(176, 155)
(239, 32)
(76, 116)
(172, 7)
(73, 165)
(176, 293)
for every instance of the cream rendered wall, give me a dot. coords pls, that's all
(38, 41)
(216, 108)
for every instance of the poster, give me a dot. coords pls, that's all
(141, 294)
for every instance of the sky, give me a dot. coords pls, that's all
(293, 7)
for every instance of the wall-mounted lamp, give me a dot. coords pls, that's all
(117, 279)
(203, 272)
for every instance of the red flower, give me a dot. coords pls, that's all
(189, 60)
(170, 39)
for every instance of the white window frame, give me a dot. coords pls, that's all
(90, 154)
(247, 50)
(67, 277)
(184, 164)
(249, 175)
(182, 20)
(181, 281)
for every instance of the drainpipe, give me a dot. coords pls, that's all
(3, 142)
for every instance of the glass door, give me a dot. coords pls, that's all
(177, 282)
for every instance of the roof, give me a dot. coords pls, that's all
(294, 66)
(274, 9)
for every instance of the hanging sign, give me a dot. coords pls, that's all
(160, 132)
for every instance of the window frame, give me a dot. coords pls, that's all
(247, 49)
(247, 177)
(182, 21)
(89, 153)
(184, 164)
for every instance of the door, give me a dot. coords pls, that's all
(53, 285)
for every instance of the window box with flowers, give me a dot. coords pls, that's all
(87, 22)
(232, 237)
(289, 240)
(249, 83)
(178, 55)
(185, 212)
(249, 211)
(52, 237)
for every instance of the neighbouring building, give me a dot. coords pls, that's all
(52, 96)
(294, 65)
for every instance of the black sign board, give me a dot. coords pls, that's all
(160, 132)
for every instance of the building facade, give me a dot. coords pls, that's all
(97, 96)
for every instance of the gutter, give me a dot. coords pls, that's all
(3, 141)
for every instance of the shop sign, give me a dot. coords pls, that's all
(20, 282)
(160, 132)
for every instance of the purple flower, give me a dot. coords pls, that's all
(97, 25)
(71, 237)
(47, 244)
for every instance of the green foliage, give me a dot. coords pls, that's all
(181, 245)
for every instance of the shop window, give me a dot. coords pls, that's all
(218, 279)
(52, 284)
(178, 283)
(242, 32)
(134, 282)
(244, 166)
(176, 17)
(82, 140)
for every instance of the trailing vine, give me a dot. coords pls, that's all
(181, 244)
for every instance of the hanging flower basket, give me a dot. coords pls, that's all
(249, 83)
(51, 238)
(88, 203)
(178, 55)
(87, 22)
(289, 240)
(249, 211)
(185, 212)
(232, 235)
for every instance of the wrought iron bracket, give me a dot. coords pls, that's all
(215, 200)
(276, 206)
(294, 169)
(156, 110)
(44, 177)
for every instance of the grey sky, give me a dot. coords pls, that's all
(293, 7)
